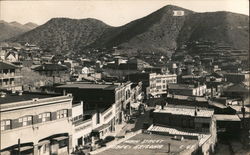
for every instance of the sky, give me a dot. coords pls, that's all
(112, 12)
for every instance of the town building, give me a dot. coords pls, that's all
(237, 77)
(10, 78)
(153, 84)
(186, 122)
(159, 83)
(187, 90)
(97, 96)
(52, 70)
(33, 123)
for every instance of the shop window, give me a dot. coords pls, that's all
(62, 113)
(5, 125)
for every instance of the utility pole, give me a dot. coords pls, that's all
(19, 152)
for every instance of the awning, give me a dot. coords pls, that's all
(104, 126)
(60, 138)
(43, 142)
(5, 153)
(24, 148)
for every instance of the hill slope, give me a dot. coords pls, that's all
(159, 31)
(9, 30)
(227, 28)
(64, 34)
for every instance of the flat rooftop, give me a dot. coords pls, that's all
(11, 101)
(180, 86)
(89, 86)
(9, 98)
(181, 110)
(222, 117)
(151, 144)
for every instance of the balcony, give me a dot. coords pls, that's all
(9, 75)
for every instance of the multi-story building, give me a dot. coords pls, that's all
(52, 70)
(187, 90)
(153, 84)
(36, 124)
(237, 77)
(10, 78)
(187, 122)
(160, 82)
(97, 96)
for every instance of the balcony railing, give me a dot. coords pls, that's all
(9, 75)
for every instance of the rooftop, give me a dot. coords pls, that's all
(180, 86)
(173, 131)
(90, 86)
(27, 99)
(240, 87)
(9, 98)
(6, 65)
(223, 117)
(51, 67)
(149, 144)
(181, 110)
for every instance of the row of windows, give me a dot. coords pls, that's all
(29, 120)
(166, 81)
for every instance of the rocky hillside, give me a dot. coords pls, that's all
(226, 28)
(159, 31)
(64, 34)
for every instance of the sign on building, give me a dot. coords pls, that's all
(178, 13)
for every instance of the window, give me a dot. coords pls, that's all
(61, 113)
(158, 81)
(63, 143)
(205, 125)
(44, 117)
(26, 120)
(5, 125)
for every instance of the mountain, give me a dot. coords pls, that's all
(64, 34)
(159, 31)
(30, 25)
(229, 29)
(12, 29)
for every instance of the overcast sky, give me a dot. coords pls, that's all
(112, 12)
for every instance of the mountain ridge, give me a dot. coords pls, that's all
(12, 29)
(158, 31)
